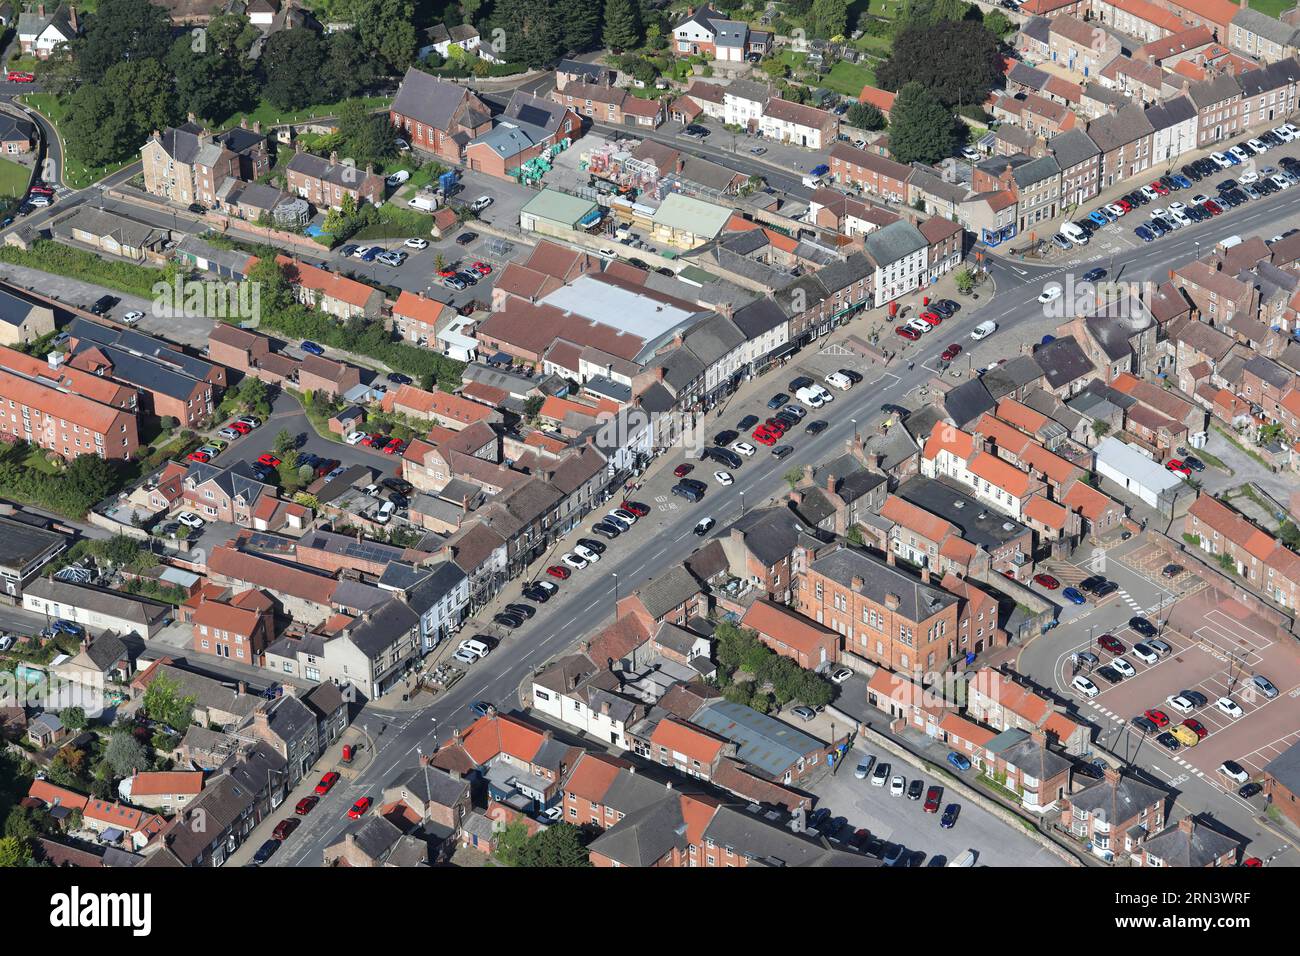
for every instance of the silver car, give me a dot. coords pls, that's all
(1264, 686)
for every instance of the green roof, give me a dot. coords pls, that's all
(697, 275)
(691, 215)
(558, 207)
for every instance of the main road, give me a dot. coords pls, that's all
(586, 601)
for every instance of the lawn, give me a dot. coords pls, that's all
(848, 78)
(269, 115)
(1272, 8)
(13, 178)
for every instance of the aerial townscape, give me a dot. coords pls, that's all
(634, 433)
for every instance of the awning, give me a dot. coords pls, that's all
(782, 351)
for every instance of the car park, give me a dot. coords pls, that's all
(1142, 626)
(863, 768)
(1228, 706)
(1234, 771)
(1168, 741)
(1180, 703)
(1047, 581)
(803, 713)
(1184, 735)
(915, 789)
(1145, 725)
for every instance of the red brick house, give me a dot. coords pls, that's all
(437, 116)
(792, 635)
(873, 174)
(324, 376)
(1115, 814)
(234, 626)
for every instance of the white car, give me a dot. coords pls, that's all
(897, 785)
(1050, 294)
(398, 178)
(1223, 162)
(477, 649)
(1281, 182)
(608, 253)
(1123, 666)
(252, 421)
(916, 325)
(839, 677)
(356, 438)
(1240, 153)
(574, 561)
(1290, 128)
(1230, 707)
(1145, 654)
(983, 330)
(417, 243)
(723, 478)
(1115, 209)
(478, 205)
(1085, 687)
(1247, 178)
(1235, 773)
(132, 317)
(743, 448)
(1150, 193)
(1177, 207)
(584, 552)
(464, 656)
(1180, 218)
(1180, 703)
(1257, 145)
(190, 520)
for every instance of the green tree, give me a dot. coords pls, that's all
(121, 31)
(124, 755)
(253, 396)
(965, 280)
(284, 442)
(959, 62)
(59, 73)
(999, 24)
(291, 63)
(556, 846)
(510, 842)
(1100, 428)
(828, 18)
(14, 851)
(213, 83)
(865, 116)
(348, 68)
(921, 129)
(622, 24)
(532, 31)
(532, 407)
(579, 23)
(368, 137)
(163, 702)
(74, 718)
(793, 475)
(386, 28)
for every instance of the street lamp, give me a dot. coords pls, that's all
(614, 575)
(855, 428)
(742, 504)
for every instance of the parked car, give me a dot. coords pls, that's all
(1047, 581)
(285, 827)
(1142, 626)
(327, 783)
(1234, 771)
(803, 713)
(359, 808)
(266, 851)
(305, 805)
(958, 761)
(1228, 706)
(1074, 596)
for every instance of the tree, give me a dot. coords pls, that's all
(291, 64)
(828, 18)
(211, 83)
(386, 29)
(793, 475)
(865, 116)
(252, 395)
(532, 407)
(958, 62)
(284, 441)
(622, 24)
(965, 280)
(74, 718)
(998, 24)
(348, 68)
(510, 841)
(121, 31)
(922, 129)
(532, 31)
(368, 137)
(1100, 428)
(556, 846)
(124, 754)
(59, 73)
(14, 851)
(579, 23)
(164, 704)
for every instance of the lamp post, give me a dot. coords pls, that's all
(855, 428)
(614, 575)
(742, 504)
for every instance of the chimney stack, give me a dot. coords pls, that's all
(891, 558)
(857, 583)
(242, 687)
(1111, 776)
(925, 575)
(893, 601)
(72, 18)
(808, 474)
(1186, 825)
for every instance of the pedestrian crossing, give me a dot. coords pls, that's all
(1129, 600)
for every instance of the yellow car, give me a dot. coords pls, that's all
(1184, 735)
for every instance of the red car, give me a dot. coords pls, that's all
(242, 427)
(18, 76)
(39, 190)
(285, 827)
(931, 318)
(932, 797)
(375, 441)
(1212, 207)
(269, 460)
(326, 782)
(359, 808)
(775, 426)
(636, 508)
(1176, 465)
(1196, 727)
(951, 352)
(1252, 861)
(1124, 204)
(306, 804)
(1047, 581)
(482, 268)
(765, 436)
(1157, 717)
(907, 333)
(1160, 188)
(199, 456)
(1111, 643)
(681, 471)
(395, 447)
(446, 273)
(559, 571)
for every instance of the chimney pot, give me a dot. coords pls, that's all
(893, 602)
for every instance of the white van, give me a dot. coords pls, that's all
(1074, 234)
(983, 330)
(477, 648)
(810, 398)
(965, 858)
(840, 381)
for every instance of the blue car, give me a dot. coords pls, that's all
(371, 254)
(1143, 233)
(480, 708)
(949, 818)
(1182, 182)
(958, 761)
(1099, 219)
(67, 627)
(311, 348)
(1074, 596)
(1232, 159)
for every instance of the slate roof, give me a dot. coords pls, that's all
(967, 402)
(669, 590)
(1011, 375)
(432, 785)
(1112, 131)
(768, 746)
(1176, 847)
(1036, 171)
(387, 623)
(1262, 25)
(760, 842)
(770, 534)
(1285, 768)
(893, 242)
(1114, 803)
(1062, 361)
(428, 99)
(1273, 75)
(917, 601)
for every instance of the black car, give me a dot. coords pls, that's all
(465, 238)
(949, 818)
(1142, 626)
(891, 409)
(801, 381)
(1248, 790)
(592, 545)
(1194, 463)
(725, 438)
(521, 610)
(103, 304)
(781, 451)
(1105, 588)
(1172, 570)
(818, 817)
(397, 484)
(699, 486)
(1168, 183)
(1144, 724)
(1089, 771)
(687, 492)
(1094, 275)
(508, 620)
(1109, 674)
(816, 427)
(852, 376)
(468, 278)
(198, 208)
(399, 501)
(724, 456)
(1192, 173)
(1194, 697)
(266, 851)
(915, 789)
(787, 419)
(748, 422)
(1091, 584)
(606, 530)
(534, 593)
(777, 400)
(1168, 741)
(397, 378)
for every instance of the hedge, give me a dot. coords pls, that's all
(49, 256)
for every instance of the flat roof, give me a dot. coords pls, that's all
(21, 543)
(557, 206)
(980, 524)
(1127, 460)
(619, 308)
(688, 214)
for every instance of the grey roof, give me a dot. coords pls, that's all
(222, 801)
(443, 578)
(764, 843)
(645, 834)
(1062, 361)
(209, 694)
(1262, 25)
(318, 167)
(1115, 803)
(749, 90)
(713, 339)
(427, 99)
(147, 373)
(592, 71)
(842, 273)
(967, 402)
(324, 699)
(1170, 113)
(508, 140)
(894, 242)
(1127, 125)
(768, 746)
(107, 650)
(1072, 147)
(672, 588)
(14, 128)
(770, 534)
(1285, 768)
(146, 345)
(289, 718)
(1036, 28)
(143, 611)
(375, 836)
(681, 369)
(235, 480)
(675, 638)
(1272, 76)
(1036, 171)
(917, 600)
(730, 33)
(21, 543)
(1216, 89)
(1011, 375)
(656, 399)
(1036, 759)
(378, 630)
(1200, 848)
(1111, 335)
(978, 524)
(432, 785)
(1022, 72)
